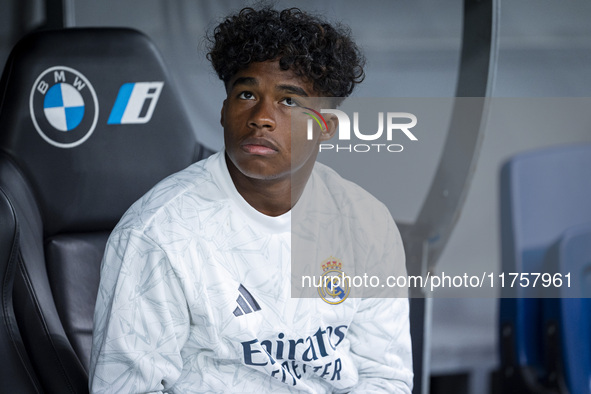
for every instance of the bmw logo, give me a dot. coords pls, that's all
(64, 107)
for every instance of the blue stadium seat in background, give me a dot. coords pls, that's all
(567, 318)
(545, 194)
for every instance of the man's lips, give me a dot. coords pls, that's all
(259, 146)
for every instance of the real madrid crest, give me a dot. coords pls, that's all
(64, 107)
(335, 285)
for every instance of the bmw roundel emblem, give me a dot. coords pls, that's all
(64, 107)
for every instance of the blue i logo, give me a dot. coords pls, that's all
(135, 103)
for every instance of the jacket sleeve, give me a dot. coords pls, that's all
(381, 347)
(379, 334)
(141, 319)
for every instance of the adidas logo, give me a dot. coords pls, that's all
(246, 303)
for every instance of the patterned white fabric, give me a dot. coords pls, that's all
(195, 297)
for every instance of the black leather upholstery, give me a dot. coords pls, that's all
(16, 371)
(65, 185)
(74, 285)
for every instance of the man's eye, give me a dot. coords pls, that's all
(290, 102)
(246, 96)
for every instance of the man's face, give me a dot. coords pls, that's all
(262, 103)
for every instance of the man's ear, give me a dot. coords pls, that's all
(222, 113)
(332, 121)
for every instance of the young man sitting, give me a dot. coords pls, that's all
(196, 277)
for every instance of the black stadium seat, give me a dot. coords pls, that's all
(89, 121)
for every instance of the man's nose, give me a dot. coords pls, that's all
(263, 115)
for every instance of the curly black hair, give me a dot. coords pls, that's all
(323, 53)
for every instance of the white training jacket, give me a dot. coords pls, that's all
(196, 293)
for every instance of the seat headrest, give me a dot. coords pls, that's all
(92, 120)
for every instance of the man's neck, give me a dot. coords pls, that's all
(272, 197)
